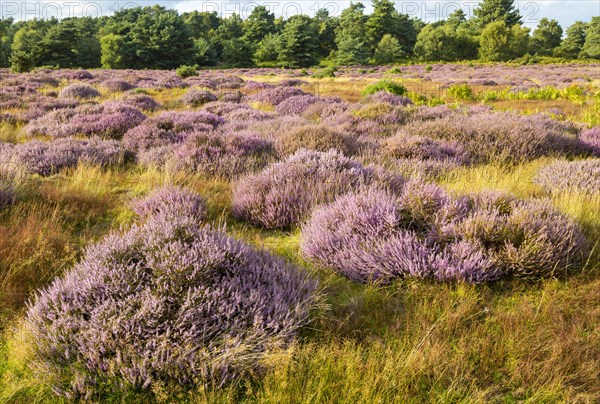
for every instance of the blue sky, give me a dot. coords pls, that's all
(566, 12)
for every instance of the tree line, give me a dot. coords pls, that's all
(156, 37)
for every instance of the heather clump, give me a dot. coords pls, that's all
(224, 154)
(296, 105)
(79, 91)
(196, 98)
(108, 120)
(169, 202)
(276, 95)
(376, 236)
(284, 193)
(116, 85)
(314, 137)
(166, 303)
(388, 98)
(169, 128)
(577, 176)
(46, 158)
(404, 146)
(591, 138)
(500, 137)
(141, 101)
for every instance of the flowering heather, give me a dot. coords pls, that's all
(591, 138)
(169, 128)
(504, 137)
(276, 95)
(385, 97)
(284, 193)
(109, 120)
(169, 82)
(256, 85)
(78, 74)
(296, 105)
(292, 83)
(141, 101)
(228, 82)
(46, 158)
(362, 237)
(578, 176)
(166, 302)
(196, 98)
(314, 137)
(375, 236)
(116, 85)
(201, 82)
(231, 96)
(224, 154)
(169, 202)
(79, 91)
(424, 148)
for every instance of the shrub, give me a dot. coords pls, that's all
(461, 92)
(500, 136)
(79, 91)
(46, 158)
(578, 176)
(284, 193)
(197, 98)
(296, 105)
(7, 191)
(166, 303)
(374, 236)
(184, 71)
(117, 85)
(224, 154)
(109, 120)
(141, 101)
(314, 137)
(388, 86)
(276, 95)
(591, 138)
(423, 148)
(169, 128)
(388, 98)
(327, 72)
(169, 202)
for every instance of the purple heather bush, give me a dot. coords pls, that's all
(169, 202)
(166, 302)
(314, 137)
(117, 85)
(284, 193)
(385, 97)
(196, 98)
(591, 138)
(169, 128)
(578, 176)
(276, 95)
(231, 96)
(78, 74)
(109, 120)
(375, 236)
(292, 83)
(404, 146)
(256, 85)
(224, 154)
(46, 158)
(79, 91)
(141, 101)
(296, 105)
(503, 137)
(228, 82)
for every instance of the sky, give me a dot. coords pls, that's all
(566, 12)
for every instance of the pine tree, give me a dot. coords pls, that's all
(351, 37)
(571, 46)
(497, 10)
(546, 37)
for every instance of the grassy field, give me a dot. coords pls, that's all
(411, 341)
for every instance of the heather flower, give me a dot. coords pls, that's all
(141, 101)
(196, 98)
(166, 302)
(388, 98)
(169, 128)
(403, 146)
(117, 85)
(296, 105)
(169, 202)
(284, 193)
(109, 120)
(276, 95)
(46, 158)
(314, 137)
(223, 154)
(579, 176)
(591, 138)
(79, 91)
